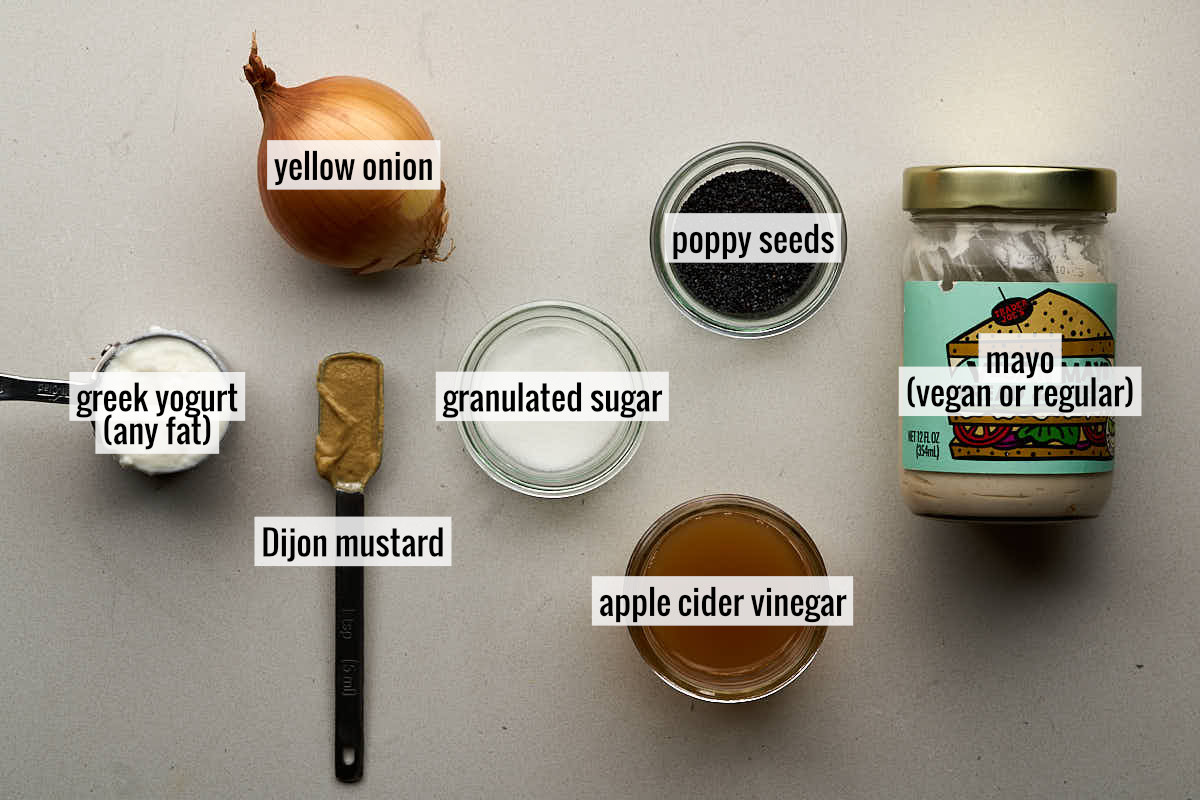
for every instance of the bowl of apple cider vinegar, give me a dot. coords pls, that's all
(727, 535)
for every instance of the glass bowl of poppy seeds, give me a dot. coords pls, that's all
(745, 300)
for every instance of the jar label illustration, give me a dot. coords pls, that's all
(942, 327)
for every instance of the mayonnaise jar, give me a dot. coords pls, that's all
(982, 237)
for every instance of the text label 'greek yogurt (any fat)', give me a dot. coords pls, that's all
(157, 412)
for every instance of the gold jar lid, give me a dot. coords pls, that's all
(1030, 188)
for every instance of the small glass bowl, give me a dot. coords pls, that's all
(733, 157)
(771, 677)
(592, 473)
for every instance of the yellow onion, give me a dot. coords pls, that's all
(363, 230)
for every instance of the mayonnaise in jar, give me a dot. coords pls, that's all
(983, 237)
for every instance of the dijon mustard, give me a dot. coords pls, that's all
(350, 431)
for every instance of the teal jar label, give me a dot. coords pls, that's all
(942, 327)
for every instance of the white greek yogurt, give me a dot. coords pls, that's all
(162, 352)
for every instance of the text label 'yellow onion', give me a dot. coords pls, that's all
(363, 230)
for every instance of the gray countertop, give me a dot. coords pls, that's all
(145, 656)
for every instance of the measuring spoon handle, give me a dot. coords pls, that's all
(14, 387)
(348, 738)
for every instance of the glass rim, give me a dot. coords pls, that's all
(765, 156)
(627, 440)
(667, 521)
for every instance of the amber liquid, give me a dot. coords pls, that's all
(725, 542)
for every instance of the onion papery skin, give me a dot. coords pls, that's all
(362, 230)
